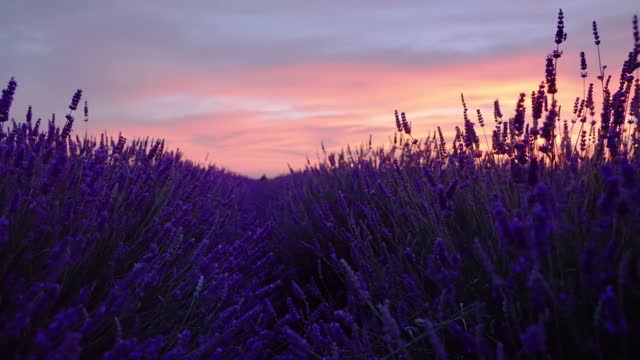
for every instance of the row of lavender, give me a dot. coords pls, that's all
(421, 251)
(529, 250)
(121, 250)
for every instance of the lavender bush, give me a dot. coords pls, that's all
(517, 244)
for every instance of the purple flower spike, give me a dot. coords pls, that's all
(29, 116)
(480, 118)
(560, 34)
(550, 74)
(405, 124)
(398, 123)
(496, 109)
(7, 99)
(75, 100)
(518, 120)
(596, 36)
(297, 291)
(295, 340)
(583, 65)
(636, 34)
(533, 339)
(411, 257)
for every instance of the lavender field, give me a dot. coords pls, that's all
(519, 238)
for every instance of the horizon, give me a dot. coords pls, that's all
(253, 88)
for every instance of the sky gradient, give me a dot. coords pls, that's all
(254, 85)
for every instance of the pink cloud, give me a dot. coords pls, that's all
(358, 100)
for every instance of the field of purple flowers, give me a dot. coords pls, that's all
(523, 243)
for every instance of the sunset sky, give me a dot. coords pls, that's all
(254, 85)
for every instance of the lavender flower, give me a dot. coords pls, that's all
(560, 34)
(268, 289)
(398, 123)
(589, 101)
(583, 65)
(596, 36)
(68, 126)
(534, 339)
(354, 282)
(549, 125)
(405, 124)
(583, 140)
(518, 120)
(297, 291)
(29, 115)
(410, 287)
(7, 99)
(295, 340)
(636, 35)
(537, 103)
(411, 257)
(550, 75)
(496, 110)
(344, 316)
(480, 118)
(75, 100)
(337, 334)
